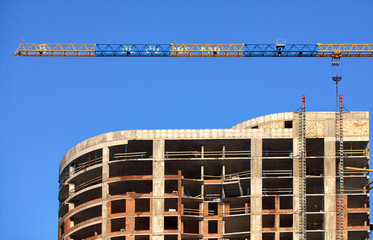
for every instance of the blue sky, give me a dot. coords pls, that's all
(50, 104)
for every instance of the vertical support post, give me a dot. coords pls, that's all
(71, 187)
(202, 175)
(158, 189)
(256, 186)
(105, 191)
(222, 172)
(223, 153)
(70, 206)
(96, 157)
(71, 170)
(203, 184)
(330, 199)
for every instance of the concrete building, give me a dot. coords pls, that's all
(238, 183)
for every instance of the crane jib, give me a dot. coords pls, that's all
(195, 50)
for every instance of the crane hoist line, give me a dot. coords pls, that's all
(280, 49)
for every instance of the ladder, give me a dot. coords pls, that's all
(302, 170)
(340, 200)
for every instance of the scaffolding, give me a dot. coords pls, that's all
(302, 170)
(340, 201)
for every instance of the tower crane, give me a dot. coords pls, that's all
(279, 49)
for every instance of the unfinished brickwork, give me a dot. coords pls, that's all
(238, 183)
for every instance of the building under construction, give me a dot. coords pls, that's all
(277, 177)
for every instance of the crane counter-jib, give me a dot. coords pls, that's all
(194, 50)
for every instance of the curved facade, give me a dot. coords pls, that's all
(238, 183)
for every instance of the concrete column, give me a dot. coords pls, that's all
(223, 152)
(296, 206)
(202, 178)
(71, 170)
(222, 206)
(201, 205)
(223, 171)
(256, 189)
(330, 203)
(71, 187)
(105, 190)
(70, 206)
(158, 190)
